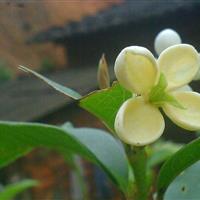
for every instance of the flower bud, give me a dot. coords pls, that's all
(103, 74)
(165, 39)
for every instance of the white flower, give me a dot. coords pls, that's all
(139, 120)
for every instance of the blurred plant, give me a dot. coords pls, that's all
(5, 72)
(10, 191)
(47, 65)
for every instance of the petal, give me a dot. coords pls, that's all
(179, 64)
(139, 123)
(165, 39)
(197, 76)
(136, 69)
(185, 88)
(188, 118)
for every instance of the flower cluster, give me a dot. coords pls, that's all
(155, 83)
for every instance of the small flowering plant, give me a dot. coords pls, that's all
(137, 161)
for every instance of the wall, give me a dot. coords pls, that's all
(19, 21)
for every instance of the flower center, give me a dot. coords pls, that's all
(159, 95)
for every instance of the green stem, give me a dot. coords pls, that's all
(138, 160)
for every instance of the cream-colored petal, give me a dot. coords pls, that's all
(138, 123)
(136, 69)
(197, 76)
(188, 118)
(185, 88)
(165, 39)
(179, 63)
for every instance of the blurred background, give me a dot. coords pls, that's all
(64, 40)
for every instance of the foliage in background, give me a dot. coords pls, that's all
(47, 65)
(10, 191)
(5, 73)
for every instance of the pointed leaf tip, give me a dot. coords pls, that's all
(60, 88)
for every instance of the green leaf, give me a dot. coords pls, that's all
(96, 145)
(158, 95)
(95, 141)
(60, 88)
(161, 151)
(10, 191)
(105, 104)
(182, 159)
(168, 98)
(186, 186)
(158, 90)
(197, 133)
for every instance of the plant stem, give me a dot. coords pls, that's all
(138, 160)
